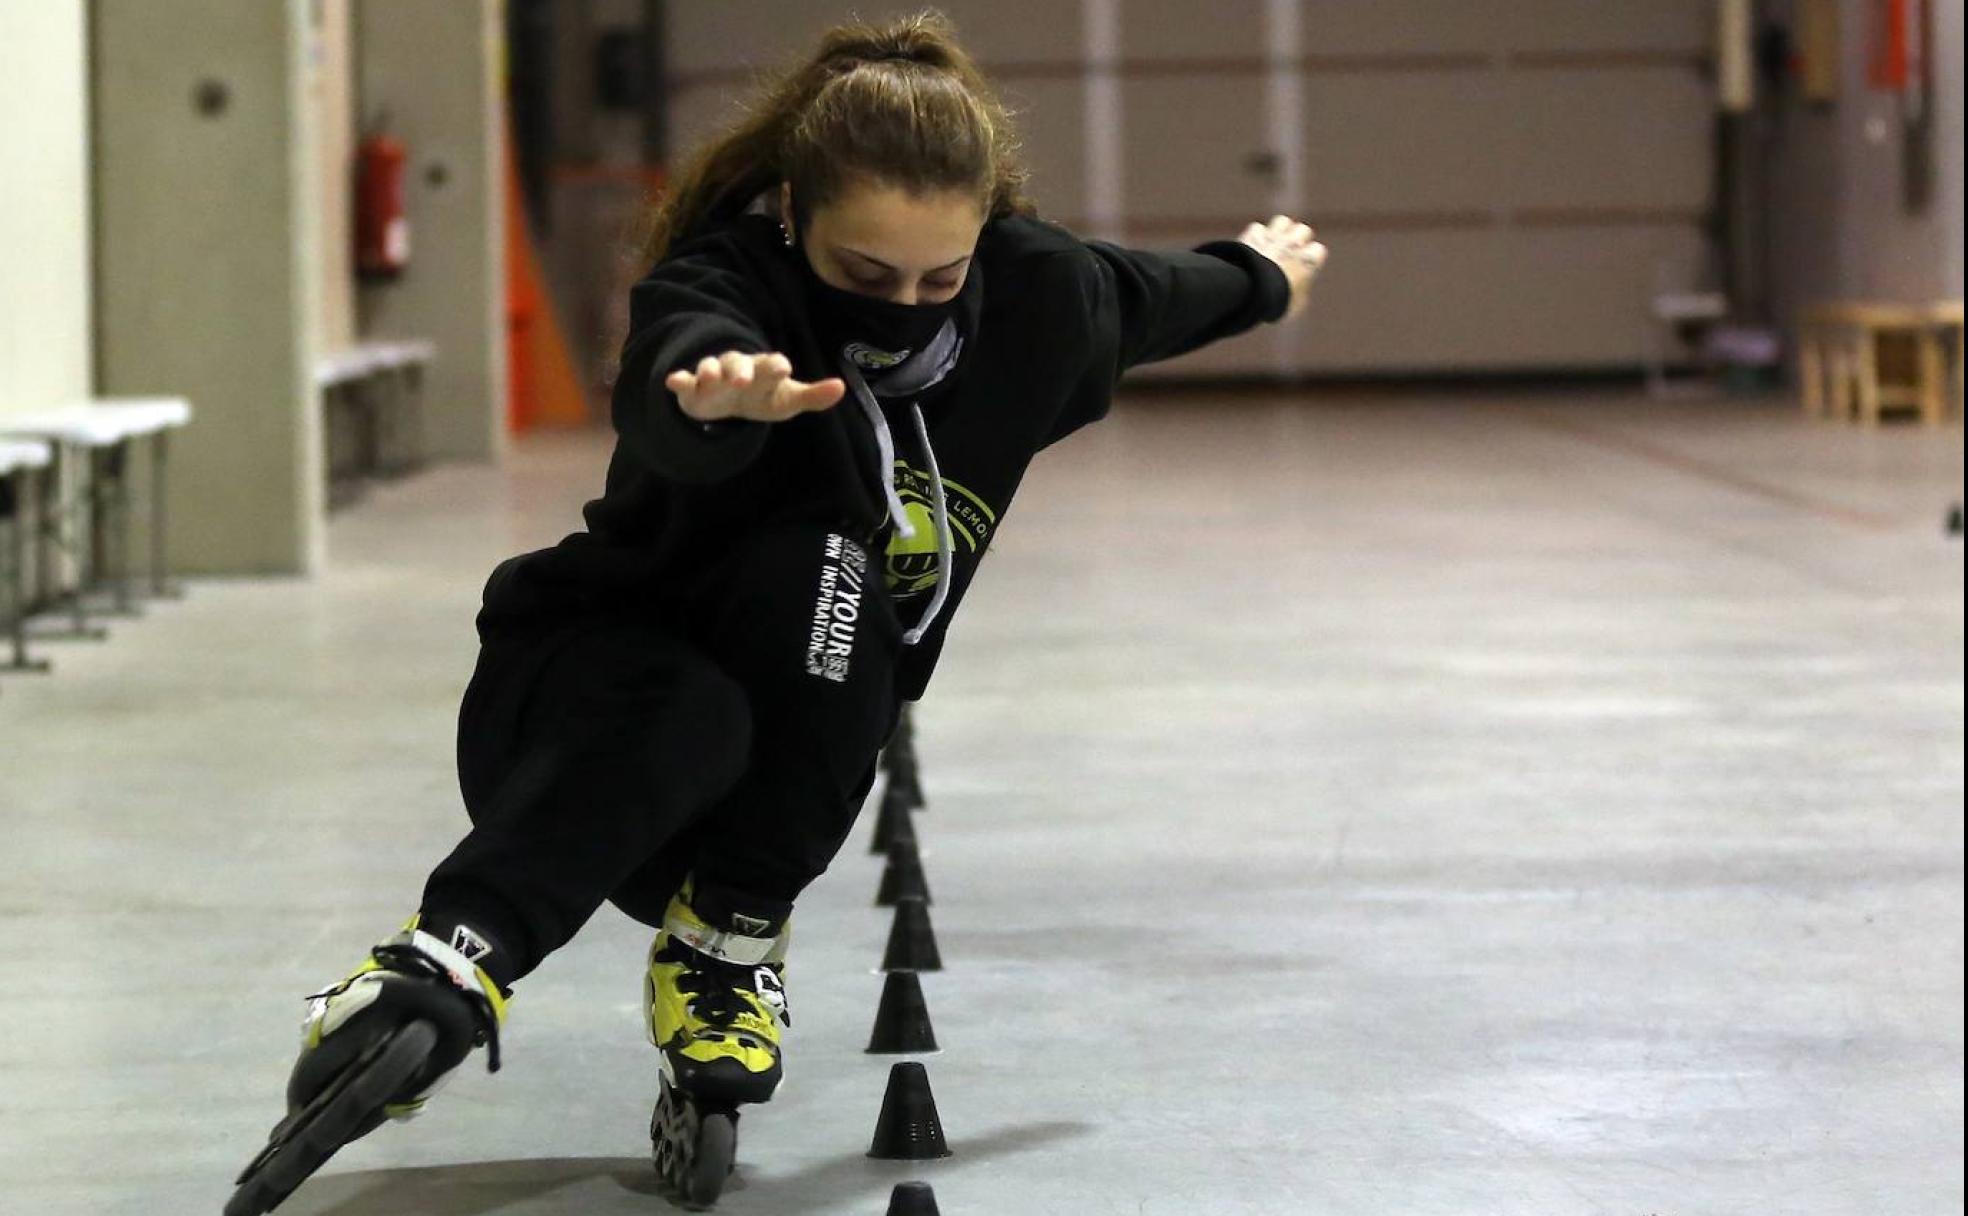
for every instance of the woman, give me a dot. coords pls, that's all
(854, 338)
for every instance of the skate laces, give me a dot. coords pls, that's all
(405, 959)
(721, 992)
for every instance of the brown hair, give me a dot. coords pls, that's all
(900, 104)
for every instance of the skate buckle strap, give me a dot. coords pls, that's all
(772, 993)
(423, 954)
(721, 944)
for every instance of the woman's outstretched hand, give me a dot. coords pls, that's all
(758, 387)
(1296, 250)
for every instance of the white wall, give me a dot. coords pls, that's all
(1504, 185)
(331, 94)
(436, 66)
(45, 352)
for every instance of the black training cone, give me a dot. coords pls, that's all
(905, 784)
(899, 762)
(896, 798)
(908, 1129)
(892, 826)
(902, 1023)
(912, 1199)
(911, 940)
(902, 878)
(898, 739)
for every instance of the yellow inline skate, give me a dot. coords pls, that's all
(714, 1000)
(374, 1047)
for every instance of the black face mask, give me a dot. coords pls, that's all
(876, 334)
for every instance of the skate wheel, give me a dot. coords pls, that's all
(711, 1164)
(695, 1149)
(304, 1141)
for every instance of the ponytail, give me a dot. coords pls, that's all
(899, 104)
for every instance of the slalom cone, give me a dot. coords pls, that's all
(912, 1199)
(902, 878)
(911, 939)
(892, 824)
(902, 1023)
(899, 762)
(905, 784)
(908, 1129)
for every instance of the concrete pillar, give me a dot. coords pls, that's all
(209, 270)
(434, 65)
(332, 101)
(45, 356)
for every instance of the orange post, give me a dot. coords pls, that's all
(545, 389)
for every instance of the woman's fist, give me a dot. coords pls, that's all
(1296, 250)
(758, 387)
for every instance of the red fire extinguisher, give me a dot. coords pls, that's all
(382, 228)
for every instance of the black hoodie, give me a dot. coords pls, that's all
(1050, 322)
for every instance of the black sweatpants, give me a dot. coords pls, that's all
(733, 734)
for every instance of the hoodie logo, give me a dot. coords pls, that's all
(911, 567)
(836, 609)
(873, 358)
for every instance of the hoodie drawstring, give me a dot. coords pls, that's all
(885, 444)
(945, 551)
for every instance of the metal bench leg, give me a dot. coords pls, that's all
(161, 586)
(402, 406)
(370, 411)
(413, 384)
(387, 392)
(109, 529)
(59, 531)
(13, 579)
(1810, 370)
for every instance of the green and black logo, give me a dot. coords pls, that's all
(911, 569)
(874, 358)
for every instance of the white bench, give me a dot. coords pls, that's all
(17, 458)
(18, 454)
(100, 432)
(381, 383)
(1675, 313)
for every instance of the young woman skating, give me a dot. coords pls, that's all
(854, 335)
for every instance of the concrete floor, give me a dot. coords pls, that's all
(1400, 806)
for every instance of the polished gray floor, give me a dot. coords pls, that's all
(1378, 806)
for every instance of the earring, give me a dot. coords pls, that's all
(786, 233)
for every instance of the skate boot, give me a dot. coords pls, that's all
(713, 1000)
(375, 1046)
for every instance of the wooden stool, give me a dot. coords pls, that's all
(1869, 357)
(1946, 350)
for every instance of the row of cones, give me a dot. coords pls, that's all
(908, 1128)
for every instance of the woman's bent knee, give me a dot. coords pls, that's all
(647, 705)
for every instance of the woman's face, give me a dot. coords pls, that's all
(882, 241)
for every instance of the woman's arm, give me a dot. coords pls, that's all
(1295, 247)
(1148, 306)
(1159, 305)
(699, 379)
